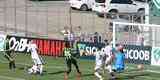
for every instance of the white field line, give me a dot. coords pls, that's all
(58, 67)
(11, 78)
(152, 71)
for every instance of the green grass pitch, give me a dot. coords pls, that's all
(55, 67)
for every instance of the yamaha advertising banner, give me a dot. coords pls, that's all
(48, 47)
(138, 54)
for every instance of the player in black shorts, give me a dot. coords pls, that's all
(70, 54)
(9, 55)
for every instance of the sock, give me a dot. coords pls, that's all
(41, 69)
(10, 65)
(113, 77)
(97, 75)
(65, 76)
(13, 64)
(78, 76)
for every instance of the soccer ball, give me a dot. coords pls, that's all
(32, 70)
(140, 67)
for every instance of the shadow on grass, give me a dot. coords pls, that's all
(21, 68)
(129, 76)
(58, 72)
(83, 75)
(132, 76)
(86, 75)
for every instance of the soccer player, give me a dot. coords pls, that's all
(119, 62)
(109, 59)
(36, 58)
(99, 62)
(9, 55)
(70, 59)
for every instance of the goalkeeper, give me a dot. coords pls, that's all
(119, 63)
(9, 55)
(70, 54)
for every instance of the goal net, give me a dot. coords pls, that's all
(136, 34)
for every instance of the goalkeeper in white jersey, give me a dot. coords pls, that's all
(36, 59)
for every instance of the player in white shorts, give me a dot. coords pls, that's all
(109, 59)
(99, 62)
(36, 58)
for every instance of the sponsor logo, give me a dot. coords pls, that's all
(156, 54)
(1, 39)
(46, 47)
(86, 50)
(137, 54)
(19, 45)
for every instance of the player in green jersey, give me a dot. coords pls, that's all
(9, 54)
(70, 53)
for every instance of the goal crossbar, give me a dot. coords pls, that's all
(145, 25)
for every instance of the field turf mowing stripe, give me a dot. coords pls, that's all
(10, 78)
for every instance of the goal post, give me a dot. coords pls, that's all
(136, 34)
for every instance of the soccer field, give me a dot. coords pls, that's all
(55, 67)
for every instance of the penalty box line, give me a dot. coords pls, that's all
(10, 78)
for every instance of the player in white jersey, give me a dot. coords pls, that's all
(108, 55)
(109, 59)
(99, 62)
(36, 58)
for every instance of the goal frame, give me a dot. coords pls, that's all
(134, 24)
